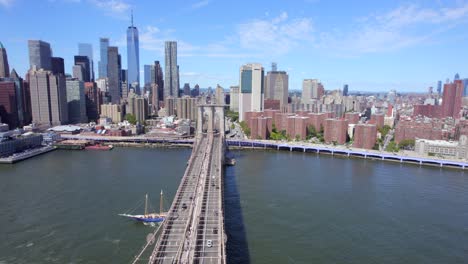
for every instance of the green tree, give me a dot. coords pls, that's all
(298, 137)
(245, 128)
(131, 119)
(407, 144)
(384, 130)
(311, 132)
(392, 147)
(234, 116)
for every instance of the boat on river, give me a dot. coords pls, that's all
(149, 217)
(99, 147)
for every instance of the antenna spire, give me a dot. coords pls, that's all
(132, 17)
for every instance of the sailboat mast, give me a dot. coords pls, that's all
(146, 204)
(161, 203)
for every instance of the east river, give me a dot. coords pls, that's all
(280, 207)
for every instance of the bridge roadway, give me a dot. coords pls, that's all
(194, 228)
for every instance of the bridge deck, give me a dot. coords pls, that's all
(194, 229)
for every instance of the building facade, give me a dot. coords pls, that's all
(138, 107)
(335, 130)
(40, 54)
(171, 83)
(20, 143)
(114, 74)
(365, 136)
(220, 95)
(76, 101)
(102, 64)
(186, 107)
(251, 97)
(234, 94)
(133, 58)
(84, 62)
(112, 111)
(48, 97)
(4, 66)
(58, 65)
(86, 49)
(442, 148)
(311, 89)
(8, 107)
(92, 101)
(277, 87)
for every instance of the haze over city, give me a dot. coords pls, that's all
(372, 46)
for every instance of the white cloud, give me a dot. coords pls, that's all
(200, 4)
(278, 35)
(6, 3)
(112, 6)
(402, 27)
(150, 39)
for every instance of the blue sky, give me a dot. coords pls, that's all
(371, 45)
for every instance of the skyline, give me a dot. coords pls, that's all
(370, 46)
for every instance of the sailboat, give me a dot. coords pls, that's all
(149, 217)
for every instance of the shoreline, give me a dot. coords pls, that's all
(400, 157)
(24, 156)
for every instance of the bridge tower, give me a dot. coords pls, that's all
(211, 119)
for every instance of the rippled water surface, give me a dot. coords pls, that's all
(281, 207)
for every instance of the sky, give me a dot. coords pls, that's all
(370, 45)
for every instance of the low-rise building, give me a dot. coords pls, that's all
(365, 136)
(112, 111)
(11, 145)
(454, 149)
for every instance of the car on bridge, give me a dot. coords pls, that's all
(209, 243)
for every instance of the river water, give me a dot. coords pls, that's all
(281, 207)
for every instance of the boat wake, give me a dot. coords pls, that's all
(152, 224)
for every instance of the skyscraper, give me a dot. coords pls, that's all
(8, 104)
(133, 58)
(48, 97)
(345, 90)
(113, 74)
(277, 85)
(187, 89)
(76, 101)
(83, 61)
(157, 87)
(452, 99)
(311, 89)
(149, 76)
(123, 84)
(40, 55)
(102, 65)
(439, 87)
(251, 89)
(138, 107)
(171, 84)
(220, 95)
(78, 72)
(148, 73)
(85, 49)
(234, 104)
(22, 99)
(465, 87)
(92, 101)
(58, 65)
(196, 90)
(4, 67)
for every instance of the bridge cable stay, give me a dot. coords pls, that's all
(148, 243)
